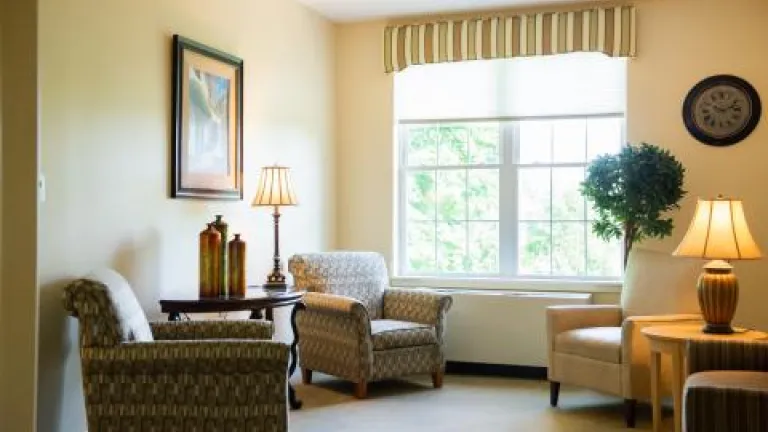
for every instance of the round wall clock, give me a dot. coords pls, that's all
(722, 110)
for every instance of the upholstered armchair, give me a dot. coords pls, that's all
(601, 346)
(727, 389)
(173, 376)
(358, 328)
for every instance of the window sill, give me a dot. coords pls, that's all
(545, 285)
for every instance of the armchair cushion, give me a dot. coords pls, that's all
(108, 310)
(388, 334)
(657, 283)
(597, 343)
(211, 329)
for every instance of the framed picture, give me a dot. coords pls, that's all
(207, 123)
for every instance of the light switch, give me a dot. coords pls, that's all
(41, 188)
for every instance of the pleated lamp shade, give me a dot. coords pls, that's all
(719, 231)
(275, 188)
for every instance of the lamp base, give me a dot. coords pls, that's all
(718, 291)
(717, 329)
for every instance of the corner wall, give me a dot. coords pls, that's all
(680, 42)
(105, 124)
(18, 287)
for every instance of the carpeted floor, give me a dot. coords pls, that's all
(465, 403)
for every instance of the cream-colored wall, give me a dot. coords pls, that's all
(18, 293)
(680, 42)
(105, 123)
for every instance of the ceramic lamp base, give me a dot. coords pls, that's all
(718, 291)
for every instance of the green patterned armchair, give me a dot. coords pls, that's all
(173, 376)
(358, 328)
(727, 390)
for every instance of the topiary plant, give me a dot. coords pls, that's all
(631, 192)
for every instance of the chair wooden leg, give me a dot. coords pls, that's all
(361, 390)
(554, 393)
(306, 376)
(630, 408)
(437, 379)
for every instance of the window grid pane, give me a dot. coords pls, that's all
(463, 161)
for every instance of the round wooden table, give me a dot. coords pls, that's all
(671, 340)
(256, 300)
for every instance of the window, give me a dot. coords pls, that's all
(491, 157)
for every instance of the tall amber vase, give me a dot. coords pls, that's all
(210, 255)
(237, 267)
(222, 228)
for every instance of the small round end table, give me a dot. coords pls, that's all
(671, 339)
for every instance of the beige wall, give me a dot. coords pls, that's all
(105, 94)
(680, 42)
(18, 293)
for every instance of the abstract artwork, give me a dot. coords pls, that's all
(207, 142)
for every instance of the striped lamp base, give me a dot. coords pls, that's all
(718, 291)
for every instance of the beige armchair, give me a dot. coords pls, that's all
(358, 328)
(600, 346)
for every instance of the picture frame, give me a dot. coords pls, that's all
(206, 122)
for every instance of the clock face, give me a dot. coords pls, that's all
(722, 110)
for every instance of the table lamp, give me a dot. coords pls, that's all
(718, 232)
(275, 190)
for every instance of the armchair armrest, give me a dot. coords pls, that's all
(335, 305)
(634, 345)
(185, 357)
(564, 318)
(211, 329)
(418, 305)
(335, 336)
(706, 355)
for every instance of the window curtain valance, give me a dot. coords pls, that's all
(607, 30)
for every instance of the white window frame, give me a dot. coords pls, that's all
(508, 211)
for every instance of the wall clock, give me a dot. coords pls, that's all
(722, 110)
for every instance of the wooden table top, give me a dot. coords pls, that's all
(685, 332)
(255, 298)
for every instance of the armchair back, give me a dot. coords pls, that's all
(107, 309)
(657, 283)
(360, 275)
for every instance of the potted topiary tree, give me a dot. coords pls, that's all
(631, 193)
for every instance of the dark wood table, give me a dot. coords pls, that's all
(256, 300)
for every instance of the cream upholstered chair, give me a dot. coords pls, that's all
(173, 376)
(358, 328)
(600, 346)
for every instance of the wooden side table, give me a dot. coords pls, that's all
(255, 300)
(672, 340)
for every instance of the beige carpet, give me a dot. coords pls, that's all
(465, 403)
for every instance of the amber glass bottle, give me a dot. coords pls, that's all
(237, 267)
(222, 227)
(210, 255)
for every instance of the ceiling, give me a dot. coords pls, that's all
(355, 10)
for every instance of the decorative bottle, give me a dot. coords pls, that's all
(222, 227)
(237, 267)
(210, 254)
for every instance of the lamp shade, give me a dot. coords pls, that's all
(275, 188)
(719, 231)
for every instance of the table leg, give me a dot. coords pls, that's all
(677, 386)
(270, 314)
(655, 384)
(174, 316)
(293, 401)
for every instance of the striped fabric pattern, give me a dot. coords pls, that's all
(611, 31)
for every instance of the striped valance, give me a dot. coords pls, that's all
(607, 30)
